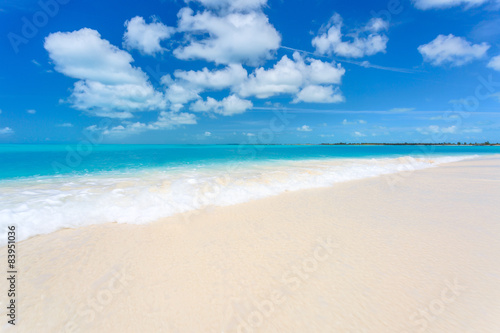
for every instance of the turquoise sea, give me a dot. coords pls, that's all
(47, 187)
(52, 160)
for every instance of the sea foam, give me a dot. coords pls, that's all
(40, 205)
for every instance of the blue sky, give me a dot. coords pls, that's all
(220, 71)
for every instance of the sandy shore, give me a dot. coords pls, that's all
(413, 252)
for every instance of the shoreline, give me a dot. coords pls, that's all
(46, 204)
(268, 144)
(424, 240)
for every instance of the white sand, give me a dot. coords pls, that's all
(414, 252)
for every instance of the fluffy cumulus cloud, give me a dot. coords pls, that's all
(434, 129)
(355, 122)
(452, 50)
(115, 101)
(232, 38)
(304, 128)
(171, 119)
(298, 76)
(366, 41)
(145, 37)
(186, 86)
(283, 78)
(234, 5)
(83, 54)
(439, 4)
(178, 94)
(495, 63)
(319, 94)
(229, 106)
(229, 34)
(166, 120)
(358, 134)
(376, 24)
(6, 131)
(205, 79)
(108, 84)
(307, 80)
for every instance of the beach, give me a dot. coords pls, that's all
(414, 251)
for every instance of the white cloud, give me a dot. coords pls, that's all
(229, 106)
(173, 119)
(232, 4)
(361, 121)
(83, 55)
(104, 100)
(434, 129)
(330, 41)
(319, 72)
(233, 38)
(289, 76)
(65, 125)
(208, 134)
(166, 120)
(429, 129)
(452, 50)
(400, 110)
(31, 111)
(6, 131)
(359, 134)
(377, 24)
(178, 94)
(189, 84)
(439, 4)
(229, 76)
(145, 37)
(451, 129)
(319, 94)
(283, 78)
(304, 128)
(109, 85)
(495, 63)
(472, 130)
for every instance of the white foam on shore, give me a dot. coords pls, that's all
(45, 204)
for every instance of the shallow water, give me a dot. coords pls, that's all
(48, 187)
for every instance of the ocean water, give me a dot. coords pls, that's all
(44, 188)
